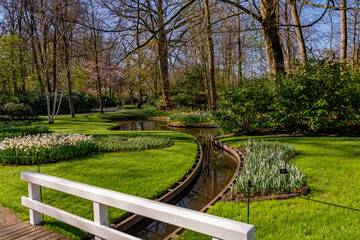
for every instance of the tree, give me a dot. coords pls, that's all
(343, 51)
(268, 18)
(210, 46)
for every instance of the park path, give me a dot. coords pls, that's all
(11, 227)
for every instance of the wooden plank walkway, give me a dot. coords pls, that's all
(12, 227)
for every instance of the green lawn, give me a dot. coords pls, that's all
(144, 173)
(332, 169)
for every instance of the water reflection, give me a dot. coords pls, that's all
(216, 173)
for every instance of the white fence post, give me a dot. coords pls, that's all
(100, 215)
(34, 194)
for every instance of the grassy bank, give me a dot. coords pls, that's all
(145, 173)
(332, 169)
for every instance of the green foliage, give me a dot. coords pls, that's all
(18, 111)
(321, 95)
(136, 113)
(189, 90)
(81, 102)
(189, 117)
(11, 68)
(20, 128)
(262, 165)
(246, 106)
(108, 101)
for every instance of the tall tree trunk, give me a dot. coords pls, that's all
(343, 31)
(210, 45)
(298, 31)
(68, 73)
(98, 77)
(287, 37)
(21, 50)
(163, 55)
(240, 51)
(67, 52)
(55, 56)
(354, 41)
(274, 54)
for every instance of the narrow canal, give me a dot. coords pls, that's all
(217, 170)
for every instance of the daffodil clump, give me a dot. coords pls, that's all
(132, 143)
(49, 147)
(190, 117)
(20, 128)
(262, 167)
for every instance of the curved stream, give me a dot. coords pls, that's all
(216, 172)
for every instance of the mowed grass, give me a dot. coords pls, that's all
(332, 169)
(142, 173)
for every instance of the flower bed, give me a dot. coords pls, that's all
(135, 113)
(20, 128)
(49, 147)
(130, 143)
(59, 146)
(262, 166)
(190, 117)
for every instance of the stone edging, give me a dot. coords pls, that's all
(237, 156)
(129, 220)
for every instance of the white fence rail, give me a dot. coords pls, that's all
(217, 227)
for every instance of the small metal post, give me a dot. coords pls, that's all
(248, 199)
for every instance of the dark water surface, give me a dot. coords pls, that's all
(216, 172)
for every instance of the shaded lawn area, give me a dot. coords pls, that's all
(144, 173)
(332, 169)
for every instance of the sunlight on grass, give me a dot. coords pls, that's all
(145, 173)
(332, 169)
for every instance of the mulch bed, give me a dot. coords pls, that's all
(268, 195)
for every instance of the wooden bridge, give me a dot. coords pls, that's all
(12, 227)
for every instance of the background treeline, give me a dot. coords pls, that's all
(185, 53)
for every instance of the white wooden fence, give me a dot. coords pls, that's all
(217, 227)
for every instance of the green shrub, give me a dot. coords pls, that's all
(320, 95)
(247, 106)
(20, 128)
(81, 102)
(189, 90)
(108, 101)
(18, 111)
